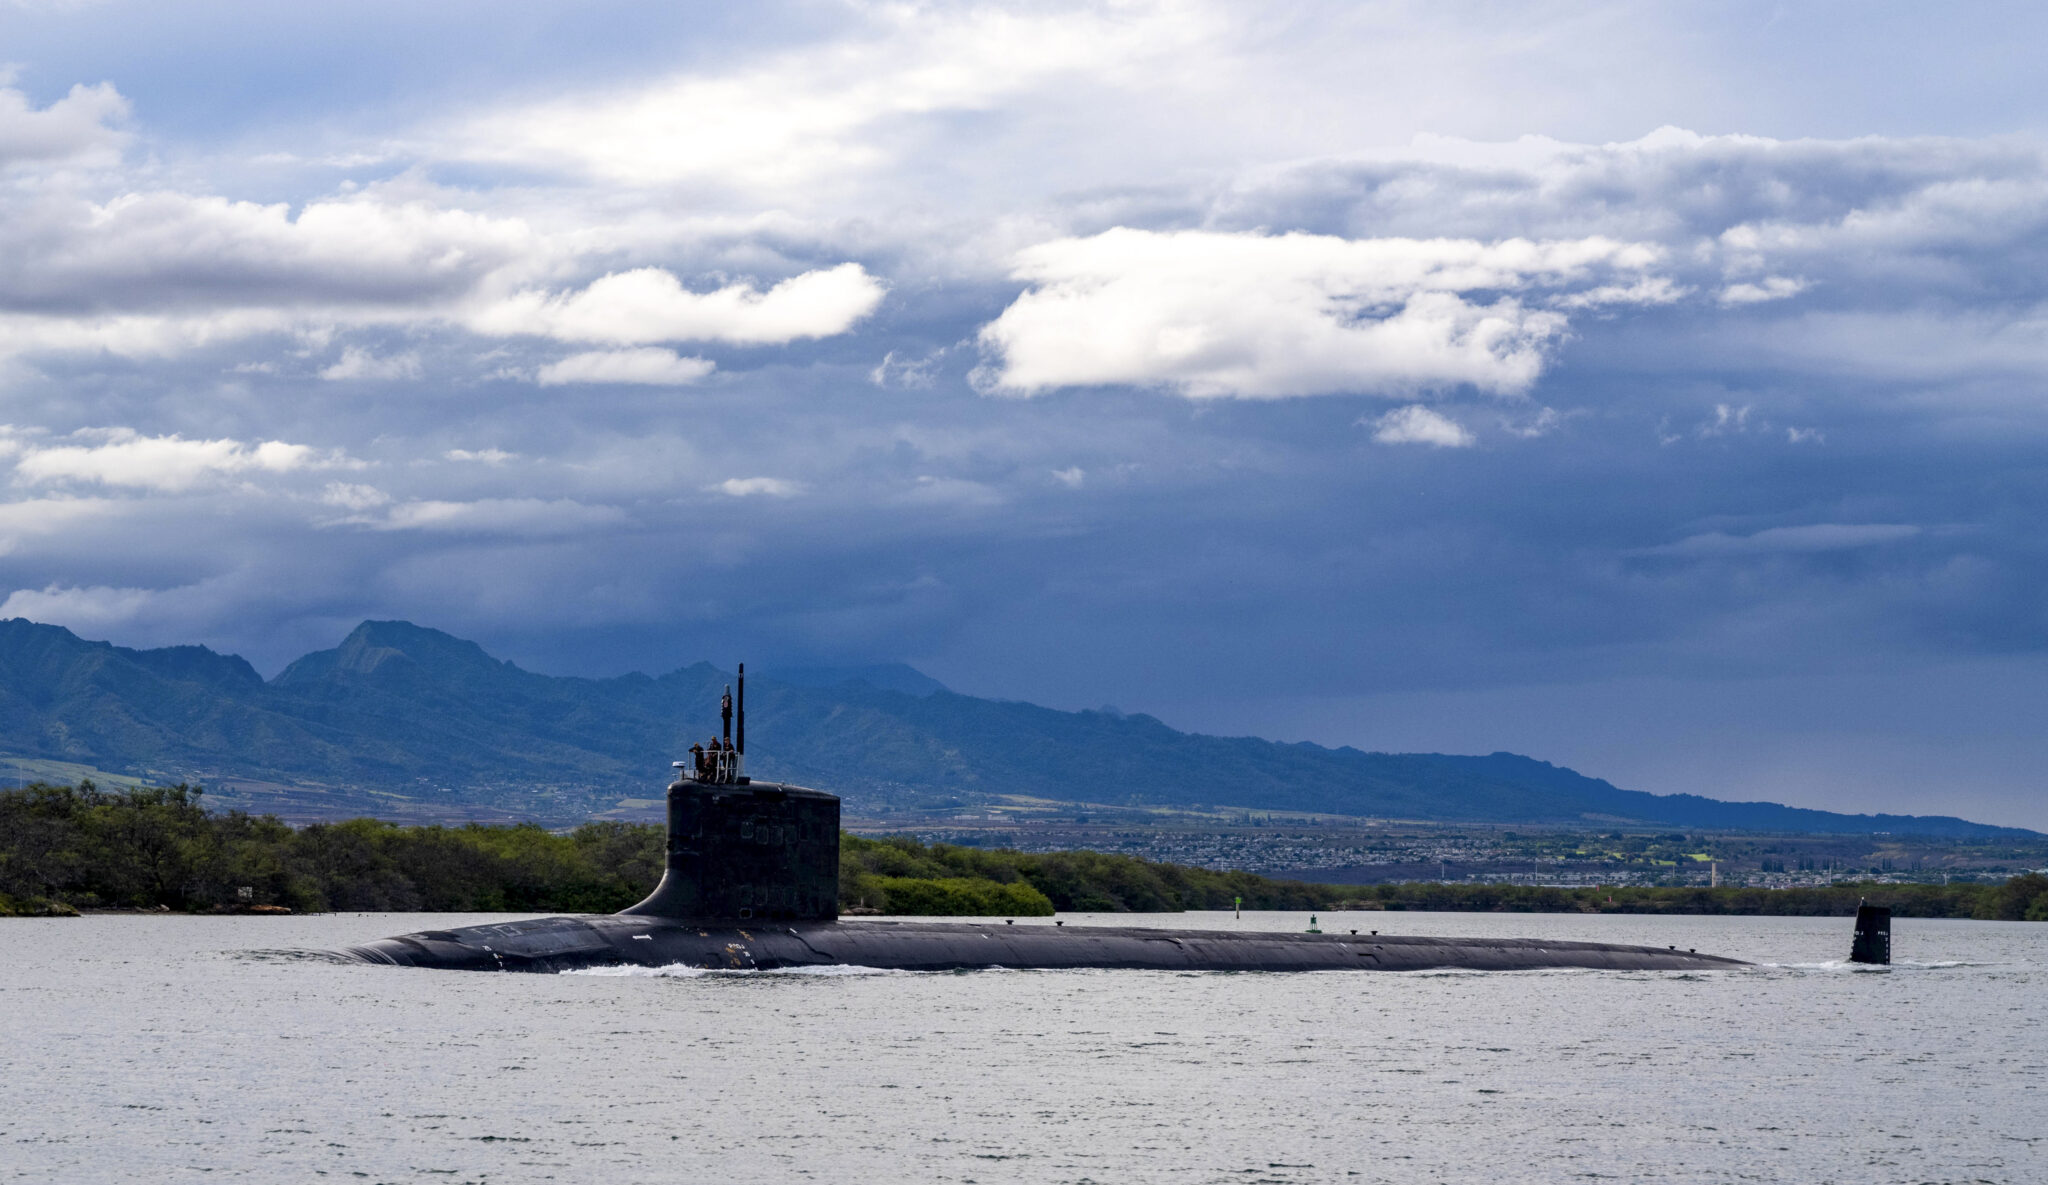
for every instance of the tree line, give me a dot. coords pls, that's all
(158, 847)
(64, 848)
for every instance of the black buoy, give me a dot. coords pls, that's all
(1873, 942)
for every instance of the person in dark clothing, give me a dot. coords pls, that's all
(697, 760)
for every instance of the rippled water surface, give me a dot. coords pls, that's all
(171, 1049)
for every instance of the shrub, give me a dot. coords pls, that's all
(962, 896)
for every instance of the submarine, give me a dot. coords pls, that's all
(751, 882)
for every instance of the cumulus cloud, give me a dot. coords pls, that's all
(164, 251)
(157, 273)
(153, 274)
(650, 305)
(1416, 424)
(76, 128)
(124, 457)
(649, 366)
(1261, 316)
(749, 487)
(1922, 253)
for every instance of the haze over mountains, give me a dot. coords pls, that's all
(403, 720)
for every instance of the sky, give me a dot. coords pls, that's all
(1660, 390)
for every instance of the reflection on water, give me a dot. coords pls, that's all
(164, 1049)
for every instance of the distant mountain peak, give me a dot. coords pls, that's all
(417, 642)
(20, 637)
(382, 649)
(197, 664)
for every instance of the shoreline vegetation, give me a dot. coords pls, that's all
(69, 848)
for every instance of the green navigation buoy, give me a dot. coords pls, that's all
(1312, 927)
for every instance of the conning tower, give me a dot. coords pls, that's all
(741, 850)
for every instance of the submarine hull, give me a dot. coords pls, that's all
(575, 943)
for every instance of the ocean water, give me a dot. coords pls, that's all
(165, 1049)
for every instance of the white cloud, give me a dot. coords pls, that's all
(747, 487)
(1768, 289)
(135, 336)
(649, 365)
(350, 496)
(358, 363)
(156, 274)
(488, 456)
(783, 121)
(502, 516)
(45, 517)
(650, 305)
(913, 374)
(1812, 537)
(1650, 290)
(1071, 477)
(91, 608)
(74, 128)
(1261, 316)
(1416, 424)
(179, 253)
(931, 490)
(123, 457)
(1543, 423)
(1729, 420)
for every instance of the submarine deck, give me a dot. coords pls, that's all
(566, 943)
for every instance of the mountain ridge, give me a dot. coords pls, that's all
(406, 710)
